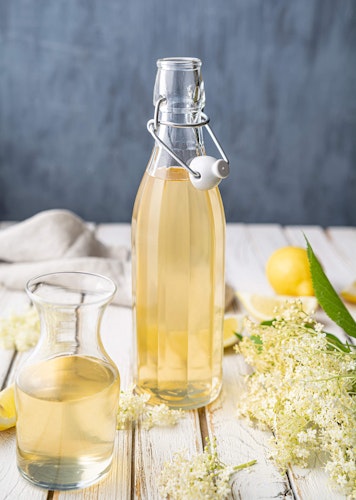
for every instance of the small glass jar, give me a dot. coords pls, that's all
(67, 391)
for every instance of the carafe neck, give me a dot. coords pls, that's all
(70, 306)
(70, 330)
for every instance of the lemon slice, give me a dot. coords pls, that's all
(349, 293)
(232, 323)
(7, 408)
(262, 307)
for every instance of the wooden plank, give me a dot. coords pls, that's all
(10, 302)
(116, 333)
(266, 238)
(344, 240)
(119, 236)
(244, 271)
(313, 483)
(306, 483)
(237, 441)
(12, 483)
(261, 241)
(6, 358)
(156, 446)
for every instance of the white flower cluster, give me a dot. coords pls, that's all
(304, 389)
(135, 408)
(202, 477)
(20, 331)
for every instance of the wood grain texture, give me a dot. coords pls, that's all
(157, 446)
(238, 442)
(10, 302)
(13, 485)
(139, 453)
(305, 483)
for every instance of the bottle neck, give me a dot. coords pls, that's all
(186, 142)
(180, 98)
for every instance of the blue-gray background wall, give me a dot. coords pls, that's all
(76, 80)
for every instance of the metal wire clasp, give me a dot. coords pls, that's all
(153, 124)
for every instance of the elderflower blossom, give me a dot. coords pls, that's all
(161, 415)
(20, 331)
(304, 391)
(134, 408)
(202, 477)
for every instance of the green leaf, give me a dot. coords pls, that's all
(239, 336)
(336, 344)
(267, 322)
(327, 297)
(256, 339)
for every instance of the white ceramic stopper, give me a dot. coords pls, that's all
(211, 171)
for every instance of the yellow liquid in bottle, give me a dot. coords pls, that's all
(67, 408)
(178, 289)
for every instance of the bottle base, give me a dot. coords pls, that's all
(188, 398)
(66, 476)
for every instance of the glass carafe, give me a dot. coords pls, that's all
(67, 391)
(178, 247)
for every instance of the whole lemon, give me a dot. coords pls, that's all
(288, 271)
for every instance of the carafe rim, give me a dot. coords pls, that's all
(98, 296)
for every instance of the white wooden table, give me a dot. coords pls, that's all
(139, 454)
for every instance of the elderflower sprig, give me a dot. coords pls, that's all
(135, 408)
(304, 389)
(20, 331)
(203, 476)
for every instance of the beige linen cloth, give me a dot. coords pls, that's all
(58, 240)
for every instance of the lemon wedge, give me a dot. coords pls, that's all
(232, 323)
(349, 293)
(7, 408)
(262, 307)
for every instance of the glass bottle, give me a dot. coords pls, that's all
(67, 391)
(178, 248)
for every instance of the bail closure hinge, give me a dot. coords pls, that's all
(153, 124)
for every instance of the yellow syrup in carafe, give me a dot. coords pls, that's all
(178, 289)
(67, 410)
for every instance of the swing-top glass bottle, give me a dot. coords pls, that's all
(178, 238)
